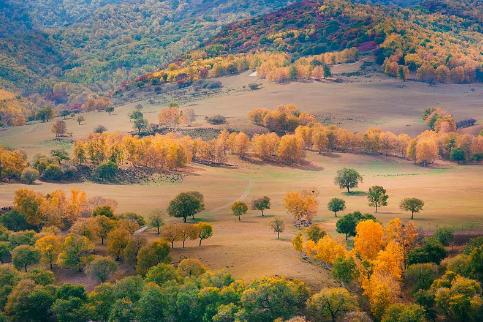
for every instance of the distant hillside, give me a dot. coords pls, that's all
(435, 47)
(86, 46)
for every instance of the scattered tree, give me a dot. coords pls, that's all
(186, 204)
(335, 205)
(377, 197)
(414, 205)
(331, 304)
(239, 208)
(261, 204)
(156, 220)
(348, 178)
(278, 226)
(204, 231)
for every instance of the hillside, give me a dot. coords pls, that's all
(409, 42)
(99, 42)
(87, 47)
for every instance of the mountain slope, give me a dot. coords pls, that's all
(103, 42)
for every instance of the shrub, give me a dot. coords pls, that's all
(216, 119)
(14, 220)
(100, 129)
(420, 276)
(103, 211)
(53, 172)
(106, 171)
(254, 86)
(29, 175)
(431, 252)
(101, 268)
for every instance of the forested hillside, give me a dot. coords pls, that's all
(105, 41)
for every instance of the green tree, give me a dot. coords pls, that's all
(186, 204)
(107, 171)
(401, 312)
(377, 197)
(101, 268)
(105, 225)
(239, 208)
(110, 109)
(156, 220)
(420, 276)
(75, 252)
(29, 175)
(461, 300)
(430, 252)
(103, 211)
(140, 124)
(123, 310)
(458, 155)
(152, 304)
(71, 309)
(348, 223)
(270, 298)
(30, 302)
(315, 233)
(151, 255)
(330, 304)
(5, 255)
(413, 205)
(348, 178)
(9, 277)
(444, 235)
(335, 205)
(261, 204)
(344, 269)
(24, 256)
(162, 273)
(278, 226)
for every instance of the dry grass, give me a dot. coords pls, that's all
(249, 249)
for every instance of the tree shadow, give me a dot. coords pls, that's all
(355, 193)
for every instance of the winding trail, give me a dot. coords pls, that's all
(243, 196)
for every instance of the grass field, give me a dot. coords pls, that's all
(249, 249)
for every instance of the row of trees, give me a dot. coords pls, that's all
(274, 66)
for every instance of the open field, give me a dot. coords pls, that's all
(249, 249)
(358, 103)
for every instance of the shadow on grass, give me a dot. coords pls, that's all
(355, 193)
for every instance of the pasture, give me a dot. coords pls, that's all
(249, 249)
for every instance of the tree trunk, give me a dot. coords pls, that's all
(278, 235)
(239, 218)
(25, 268)
(262, 212)
(335, 213)
(348, 190)
(200, 242)
(184, 219)
(172, 244)
(412, 215)
(376, 208)
(102, 240)
(183, 243)
(158, 230)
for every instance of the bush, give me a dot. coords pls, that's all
(29, 175)
(106, 171)
(100, 129)
(420, 276)
(53, 172)
(254, 86)
(15, 221)
(431, 252)
(216, 119)
(103, 211)
(101, 268)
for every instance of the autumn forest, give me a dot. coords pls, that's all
(231, 160)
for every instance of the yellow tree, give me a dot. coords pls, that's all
(291, 149)
(49, 247)
(29, 203)
(302, 205)
(369, 239)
